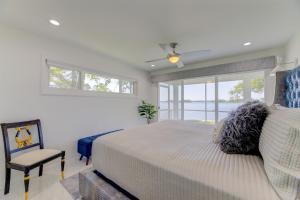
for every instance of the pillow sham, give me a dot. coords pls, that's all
(279, 146)
(242, 129)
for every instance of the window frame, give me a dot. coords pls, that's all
(79, 91)
(77, 87)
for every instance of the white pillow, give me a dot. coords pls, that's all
(280, 148)
(217, 131)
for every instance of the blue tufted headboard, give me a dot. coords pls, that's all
(292, 88)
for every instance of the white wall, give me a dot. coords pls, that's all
(292, 48)
(64, 118)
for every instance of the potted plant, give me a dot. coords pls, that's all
(147, 111)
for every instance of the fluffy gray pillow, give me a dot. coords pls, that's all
(242, 129)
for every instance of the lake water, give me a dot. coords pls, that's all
(191, 110)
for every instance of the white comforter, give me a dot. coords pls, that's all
(177, 160)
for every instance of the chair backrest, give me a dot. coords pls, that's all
(20, 126)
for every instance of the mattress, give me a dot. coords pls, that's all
(178, 160)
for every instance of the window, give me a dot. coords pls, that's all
(63, 78)
(194, 102)
(199, 99)
(209, 99)
(257, 88)
(126, 87)
(94, 82)
(72, 78)
(230, 96)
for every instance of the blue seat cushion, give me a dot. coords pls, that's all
(84, 145)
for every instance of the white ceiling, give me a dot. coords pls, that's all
(130, 30)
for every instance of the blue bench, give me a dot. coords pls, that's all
(84, 145)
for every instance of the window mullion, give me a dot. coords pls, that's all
(175, 102)
(120, 86)
(74, 84)
(158, 100)
(169, 103)
(182, 100)
(81, 80)
(205, 101)
(247, 89)
(216, 99)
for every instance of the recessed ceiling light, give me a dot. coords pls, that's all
(247, 43)
(54, 22)
(152, 65)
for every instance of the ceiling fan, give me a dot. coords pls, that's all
(174, 57)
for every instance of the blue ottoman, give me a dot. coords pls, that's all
(84, 145)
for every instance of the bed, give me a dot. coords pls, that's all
(178, 160)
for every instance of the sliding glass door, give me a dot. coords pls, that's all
(230, 96)
(169, 103)
(211, 101)
(208, 99)
(164, 101)
(199, 99)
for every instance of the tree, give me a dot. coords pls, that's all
(257, 86)
(237, 92)
(61, 78)
(126, 86)
(101, 84)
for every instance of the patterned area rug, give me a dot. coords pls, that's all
(71, 184)
(93, 187)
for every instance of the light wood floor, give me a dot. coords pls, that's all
(47, 187)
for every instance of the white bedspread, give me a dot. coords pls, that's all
(177, 160)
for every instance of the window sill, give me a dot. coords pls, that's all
(81, 93)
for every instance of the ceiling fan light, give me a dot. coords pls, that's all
(174, 59)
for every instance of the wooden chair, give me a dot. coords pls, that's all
(30, 160)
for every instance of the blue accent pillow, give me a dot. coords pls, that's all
(292, 93)
(242, 129)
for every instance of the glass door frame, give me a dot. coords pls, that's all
(158, 100)
(178, 99)
(182, 101)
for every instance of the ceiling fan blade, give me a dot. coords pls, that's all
(155, 60)
(203, 51)
(166, 48)
(180, 64)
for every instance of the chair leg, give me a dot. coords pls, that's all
(41, 170)
(7, 180)
(81, 157)
(62, 166)
(26, 183)
(87, 160)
